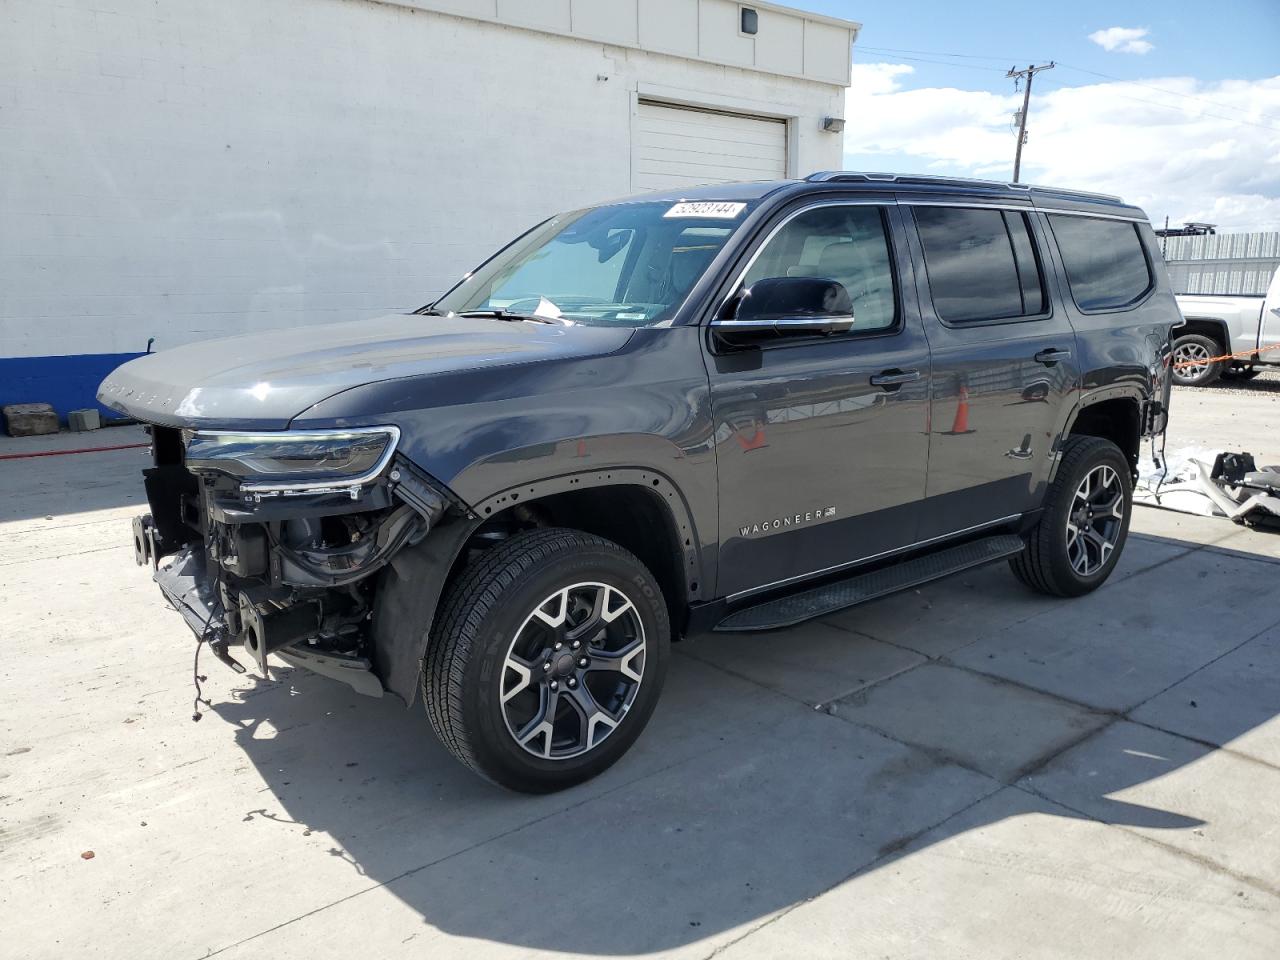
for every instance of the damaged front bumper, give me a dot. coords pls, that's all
(288, 569)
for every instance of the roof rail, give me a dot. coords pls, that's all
(848, 176)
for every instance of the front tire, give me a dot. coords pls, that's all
(1084, 524)
(546, 659)
(1192, 366)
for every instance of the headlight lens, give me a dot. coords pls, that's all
(295, 460)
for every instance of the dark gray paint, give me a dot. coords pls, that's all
(261, 381)
(489, 407)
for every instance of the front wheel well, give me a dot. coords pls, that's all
(630, 515)
(1117, 420)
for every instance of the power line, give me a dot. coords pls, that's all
(899, 51)
(1172, 106)
(944, 63)
(938, 53)
(1171, 93)
(1093, 73)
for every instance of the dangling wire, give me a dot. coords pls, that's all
(196, 678)
(1161, 461)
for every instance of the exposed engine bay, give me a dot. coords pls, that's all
(281, 571)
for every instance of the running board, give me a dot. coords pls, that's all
(818, 601)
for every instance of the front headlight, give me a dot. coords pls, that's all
(295, 460)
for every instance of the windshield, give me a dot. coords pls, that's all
(628, 264)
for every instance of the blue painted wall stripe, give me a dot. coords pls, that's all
(69, 383)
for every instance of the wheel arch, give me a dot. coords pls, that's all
(1114, 415)
(1213, 327)
(639, 509)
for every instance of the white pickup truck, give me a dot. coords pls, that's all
(1248, 327)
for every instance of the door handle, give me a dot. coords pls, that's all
(1052, 356)
(894, 378)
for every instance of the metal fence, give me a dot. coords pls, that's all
(1223, 263)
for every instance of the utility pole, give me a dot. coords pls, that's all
(1014, 74)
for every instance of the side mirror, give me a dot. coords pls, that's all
(782, 306)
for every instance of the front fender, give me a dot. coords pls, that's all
(408, 594)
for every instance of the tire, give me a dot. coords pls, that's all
(1240, 373)
(492, 668)
(1050, 562)
(1195, 346)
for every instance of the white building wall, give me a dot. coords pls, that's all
(196, 169)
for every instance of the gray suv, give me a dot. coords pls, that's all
(727, 409)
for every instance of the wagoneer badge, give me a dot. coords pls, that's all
(774, 524)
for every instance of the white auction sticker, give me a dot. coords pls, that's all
(715, 209)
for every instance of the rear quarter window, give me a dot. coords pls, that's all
(1106, 265)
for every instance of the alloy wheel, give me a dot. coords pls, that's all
(1190, 360)
(572, 671)
(1095, 520)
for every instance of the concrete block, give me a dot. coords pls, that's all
(1117, 647)
(1213, 805)
(998, 728)
(811, 662)
(1233, 701)
(87, 419)
(29, 419)
(1018, 876)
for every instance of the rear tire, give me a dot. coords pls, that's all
(1196, 348)
(546, 659)
(1084, 524)
(1241, 373)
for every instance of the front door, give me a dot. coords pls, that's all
(1004, 363)
(822, 441)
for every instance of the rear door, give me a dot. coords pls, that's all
(1003, 358)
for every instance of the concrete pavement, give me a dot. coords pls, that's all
(988, 774)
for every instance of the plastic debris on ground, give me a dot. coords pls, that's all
(1212, 484)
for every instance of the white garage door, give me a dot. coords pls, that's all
(681, 147)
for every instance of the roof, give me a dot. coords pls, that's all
(936, 188)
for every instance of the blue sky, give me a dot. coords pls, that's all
(1187, 37)
(1181, 114)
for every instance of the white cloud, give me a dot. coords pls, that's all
(1170, 153)
(1123, 39)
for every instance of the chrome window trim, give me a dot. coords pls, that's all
(1024, 207)
(334, 483)
(875, 556)
(734, 324)
(855, 176)
(1133, 304)
(819, 202)
(1042, 273)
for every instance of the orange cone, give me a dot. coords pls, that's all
(961, 424)
(754, 442)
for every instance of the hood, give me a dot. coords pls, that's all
(263, 380)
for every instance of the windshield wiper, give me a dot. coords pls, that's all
(503, 314)
(429, 311)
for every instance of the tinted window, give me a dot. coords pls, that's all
(1105, 263)
(848, 244)
(981, 263)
